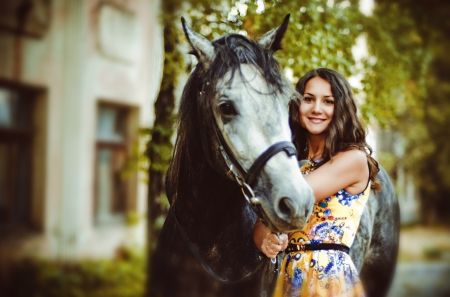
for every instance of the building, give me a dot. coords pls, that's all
(77, 80)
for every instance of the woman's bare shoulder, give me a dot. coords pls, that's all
(353, 158)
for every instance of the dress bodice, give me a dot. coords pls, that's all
(334, 219)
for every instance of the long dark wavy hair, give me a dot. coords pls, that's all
(345, 131)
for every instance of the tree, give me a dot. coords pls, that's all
(407, 85)
(159, 146)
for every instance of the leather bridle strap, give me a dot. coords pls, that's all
(227, 150)
(259, 163)
(251, 174)
(244, 178)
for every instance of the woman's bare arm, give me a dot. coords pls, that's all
(346, 170)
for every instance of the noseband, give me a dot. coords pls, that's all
(244, 178)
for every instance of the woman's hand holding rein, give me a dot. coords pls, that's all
(268, 242)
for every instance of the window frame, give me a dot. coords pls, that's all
(24, 136)
(113, 146)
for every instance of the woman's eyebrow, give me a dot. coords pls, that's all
(327, 96)
(306, 93)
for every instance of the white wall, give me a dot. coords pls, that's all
(93, 50)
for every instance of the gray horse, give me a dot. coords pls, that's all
(233, 142)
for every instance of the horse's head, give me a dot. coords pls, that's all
(242, 103)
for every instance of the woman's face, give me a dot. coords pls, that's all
(317, 106)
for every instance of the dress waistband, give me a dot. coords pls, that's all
(292, 247)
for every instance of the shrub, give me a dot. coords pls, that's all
(123, 276)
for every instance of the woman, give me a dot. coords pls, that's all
(340, 170)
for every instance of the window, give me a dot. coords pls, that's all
(111, 189)
(16, 142)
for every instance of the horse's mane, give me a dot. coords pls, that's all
(188, 162)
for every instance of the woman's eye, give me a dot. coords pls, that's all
(329, 101)
(227, 109)
(308, 99)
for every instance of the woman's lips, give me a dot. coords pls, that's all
(316, 120)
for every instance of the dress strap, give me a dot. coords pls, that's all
(292, 247)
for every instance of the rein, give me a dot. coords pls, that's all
(202, 261)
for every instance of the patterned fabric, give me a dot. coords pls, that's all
(326, 272)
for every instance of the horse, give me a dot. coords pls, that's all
(233, 161)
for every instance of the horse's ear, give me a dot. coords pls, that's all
(203, 48)
(272, 39)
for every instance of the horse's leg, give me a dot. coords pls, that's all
(380, 260)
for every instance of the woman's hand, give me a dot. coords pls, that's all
(268, 242)
(273, 244)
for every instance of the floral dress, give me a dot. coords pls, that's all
(324, 272)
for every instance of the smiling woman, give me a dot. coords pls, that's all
(341, 173)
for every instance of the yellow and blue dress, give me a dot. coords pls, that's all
(324, 272)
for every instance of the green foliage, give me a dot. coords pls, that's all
(389, 160)
(132, 218)
(321, 33)
(138, 159)
(408, 89)
(396, 68)
(160, 150)
(432, 253)
(120, 277)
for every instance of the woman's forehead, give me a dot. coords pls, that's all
(318, 86)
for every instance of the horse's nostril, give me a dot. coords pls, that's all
(285, 206)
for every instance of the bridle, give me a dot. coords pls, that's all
(245, 179)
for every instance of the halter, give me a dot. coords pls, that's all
(244, 178)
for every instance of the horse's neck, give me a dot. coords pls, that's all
(210, 204)
(218, 222)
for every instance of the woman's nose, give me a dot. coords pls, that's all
(317, 108)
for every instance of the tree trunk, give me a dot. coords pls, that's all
(160, 146)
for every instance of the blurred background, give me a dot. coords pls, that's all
(88, 96)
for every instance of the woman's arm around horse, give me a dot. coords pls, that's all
(346, 170)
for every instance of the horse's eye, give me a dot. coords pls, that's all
(227, 109)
